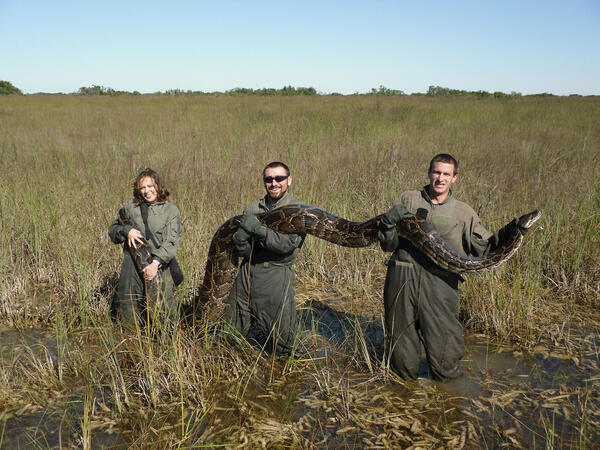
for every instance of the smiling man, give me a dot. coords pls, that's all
(421, 300)
(263, 292)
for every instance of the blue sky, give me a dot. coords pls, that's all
(523, 46)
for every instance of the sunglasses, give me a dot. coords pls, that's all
(278, 178)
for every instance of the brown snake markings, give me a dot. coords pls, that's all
(222, 262)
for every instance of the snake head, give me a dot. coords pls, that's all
(527, 220)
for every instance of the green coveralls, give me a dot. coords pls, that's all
(266, 271)
(164, 220)
(420, 300)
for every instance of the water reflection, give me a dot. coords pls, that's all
(515, 399)
(59, 424)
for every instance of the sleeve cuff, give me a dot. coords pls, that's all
(385, 223)
(261, 232)
(241, 235)
(125, 230)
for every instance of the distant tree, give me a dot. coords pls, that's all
(438, 91)
(289, 90)
(284, 91)
(385, 91)
(483, 94)
(7, 88)
(94, 90)
(101, 90)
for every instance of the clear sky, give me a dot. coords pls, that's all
(333, 46)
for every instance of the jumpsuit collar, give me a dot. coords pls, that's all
(425, 195)
(150, 205)
(281, 202)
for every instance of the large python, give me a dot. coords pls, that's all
(222, 262)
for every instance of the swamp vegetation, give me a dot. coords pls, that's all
(70, 376)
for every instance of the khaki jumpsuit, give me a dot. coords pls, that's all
(164, 220)
(421, 301)
(263, 292)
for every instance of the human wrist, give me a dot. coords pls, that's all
(260, 232)
(241, 235)
(125, 230)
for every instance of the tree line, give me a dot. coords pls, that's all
(7, 88)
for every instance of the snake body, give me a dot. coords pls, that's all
(142, 257)
(222, 262)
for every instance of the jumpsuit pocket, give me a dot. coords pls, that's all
(444, 225)
(396, 263)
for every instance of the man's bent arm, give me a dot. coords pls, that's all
(277, 242)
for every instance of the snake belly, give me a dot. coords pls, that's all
(222, 262)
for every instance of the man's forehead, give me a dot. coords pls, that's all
(276, 170)
(443, 167)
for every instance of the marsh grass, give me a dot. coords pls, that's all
(69, 163)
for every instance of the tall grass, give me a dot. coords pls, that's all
(68, 164)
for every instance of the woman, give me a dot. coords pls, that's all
(150, 218)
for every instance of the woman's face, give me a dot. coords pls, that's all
(148, 190)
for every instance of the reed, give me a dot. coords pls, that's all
(69, 163)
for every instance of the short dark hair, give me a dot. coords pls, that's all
(274, 164)
(444, 158)
(161, 191)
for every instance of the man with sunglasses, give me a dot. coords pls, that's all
(263, 292)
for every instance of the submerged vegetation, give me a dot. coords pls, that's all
(69, 162)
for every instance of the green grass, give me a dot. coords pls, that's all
(68, 164)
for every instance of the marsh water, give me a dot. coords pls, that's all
(510, 397)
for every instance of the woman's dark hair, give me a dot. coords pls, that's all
(161, 190)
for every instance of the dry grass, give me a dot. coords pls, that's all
(68, 165)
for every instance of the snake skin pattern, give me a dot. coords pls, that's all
(222, 262)
(142, 256)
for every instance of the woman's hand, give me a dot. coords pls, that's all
(150, 271)
(134, 237)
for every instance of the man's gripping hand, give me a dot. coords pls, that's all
(395, 214)
(250, 224)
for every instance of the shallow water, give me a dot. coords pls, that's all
(516, 399)
(510, 398)
(60, 423)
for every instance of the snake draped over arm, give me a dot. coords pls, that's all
(222, 262)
